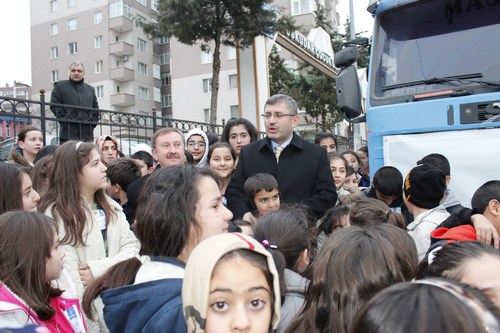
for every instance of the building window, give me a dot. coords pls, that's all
(166, 79)
(231, 53)
(142, 2)
(157, 94)
(234, 111)
(154, 5)
(72, 24)
(144, 93)
(156, 71)
(54, 52)
(71, 3)
(97, 42)
(54, 29)
(206, 57)
(119, 8)
(142, 45)
(207, 85)
(54, 76)
(98, 17)
(233, 81)
(302, 7)
(142, 68)
(206, 113)
(164, 40)
(140, 19)
(166, 100)
(53, 6)
(72, 48)
(98, 66)
(99, 91)
(165, 58)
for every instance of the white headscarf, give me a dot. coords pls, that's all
(196, 131)
(198, 273)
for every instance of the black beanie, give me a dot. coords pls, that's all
(424, 186)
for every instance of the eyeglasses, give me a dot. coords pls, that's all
(196, 144)
(277, 115)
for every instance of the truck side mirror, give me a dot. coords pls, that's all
(349, 92)
(346, 57)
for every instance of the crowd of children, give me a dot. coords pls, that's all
(92, 241)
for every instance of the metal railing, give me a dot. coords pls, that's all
(129, 128)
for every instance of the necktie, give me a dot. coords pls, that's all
(277, 151)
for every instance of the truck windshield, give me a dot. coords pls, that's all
(417, 44)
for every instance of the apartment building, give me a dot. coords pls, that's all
(8, 127)
(192, 68)
(131, 72)
(121, 62)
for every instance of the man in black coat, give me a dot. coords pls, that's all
(75, 123)
(300, 167)
(168, 150)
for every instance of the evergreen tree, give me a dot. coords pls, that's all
(214, 23)
(363, 51)
(281, 78)
(314, 91)
(321, 18)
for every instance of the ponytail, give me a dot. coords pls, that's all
(119, 275)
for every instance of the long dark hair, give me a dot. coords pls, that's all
(165, 220)
(448, 260)
(65, 191)
(353, 265)
(323, 135)
(252, 131)
(431, 305)
(21, 136)
(26, 240)
(166, 210)
(39, 174)
(220, 145)
(288, 233)
(11, 197)
(368, 211)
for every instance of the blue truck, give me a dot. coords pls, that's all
(433, 87)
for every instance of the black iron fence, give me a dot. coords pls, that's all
(130, 129)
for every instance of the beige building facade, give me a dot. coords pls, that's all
(131, 72)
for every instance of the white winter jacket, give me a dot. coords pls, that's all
(420, 229)
(122, 244)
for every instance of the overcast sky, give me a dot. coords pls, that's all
(363, 21)
(15, 58)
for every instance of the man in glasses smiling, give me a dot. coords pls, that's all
(300, 167)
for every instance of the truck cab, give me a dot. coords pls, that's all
(433, 87)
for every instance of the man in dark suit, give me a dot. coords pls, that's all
(300, 167)
(75, 123)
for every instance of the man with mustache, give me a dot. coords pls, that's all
(168, 150)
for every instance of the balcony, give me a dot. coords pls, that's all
(121, 74)
(122, 99)
(121, 24)
(121, 49)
